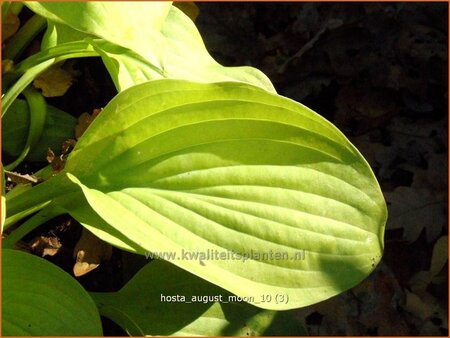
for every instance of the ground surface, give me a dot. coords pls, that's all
(379, 72)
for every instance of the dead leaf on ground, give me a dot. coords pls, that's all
(414, 210)
(57, 162)
(369, 307)
(379, 297)
(422, 42)
(18, 178)
(10, 25)
(362, 109)
(45, 246)
(7, 66)
(56, 80)
(427, 310)
(84, 121)
(420, 281)
(90, 251)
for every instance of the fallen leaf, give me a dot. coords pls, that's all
(10, 25)
(84, 122)
(67, 146)
(378, 297)
(361, 109)
(430, 316)
(422, 42)
(415, 210)
(440, 255)
(57, 162)
(45, 246)
(371, 305)
(90, 251)
(56, 80)
(423, 306)
(18, 178)
(420, 281)
(434, 178)
(7, 66)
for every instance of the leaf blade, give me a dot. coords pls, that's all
(229, 167)
(206, 309)
(40, 299)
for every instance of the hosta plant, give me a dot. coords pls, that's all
(256, 202)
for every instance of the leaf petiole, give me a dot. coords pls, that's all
(37, 63)
(41, 217)
(38, 113)
(63, 51)
(23, 37)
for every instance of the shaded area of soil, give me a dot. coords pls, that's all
(379, 72)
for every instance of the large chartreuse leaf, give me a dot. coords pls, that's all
(249, 190)
(39, 298)
(169, 301)
(217, 169)
(141, 41)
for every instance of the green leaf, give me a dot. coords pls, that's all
(146, 41)
(176, 166)
(39, 299)
(202, 309)
(38, 113)
(57, 34)
(29, 75)
(125, 67)
(122, 23)
(59, 126)
(117, 22)
(2, 202)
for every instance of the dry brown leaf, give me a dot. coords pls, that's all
(420, 281)
(57, 162)
(370, 305)
(423, 306)
(18, 178)
(414, 210)
(10, 25)
(67, 146)
(7, 66)
(364, 109)
(84, 122)
(440, 255)
(56, 80)
(422, 42)
(45, 246)
(90, 251)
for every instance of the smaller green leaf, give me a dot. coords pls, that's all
(59, 126)
(3, 203)
(57, 34)
(141, 41)
(120, 22)
(39, 299)
(125, 67)
(29, 75)
(162, 299)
